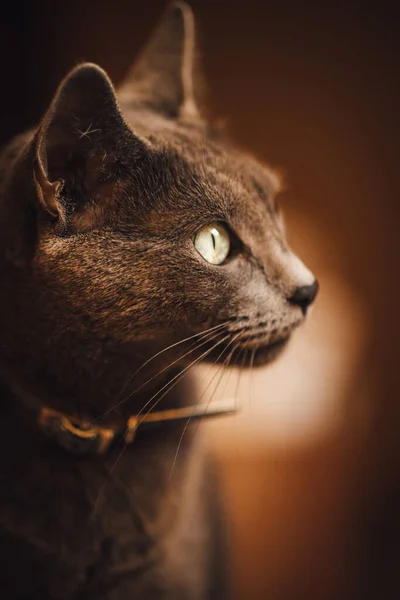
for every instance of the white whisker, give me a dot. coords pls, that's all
(178, 375)
(187, 339)
(219, 372)
(203, 340)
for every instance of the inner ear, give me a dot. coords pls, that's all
(80, 142)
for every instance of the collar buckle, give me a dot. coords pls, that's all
(78, 437)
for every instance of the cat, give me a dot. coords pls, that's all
(135, 242)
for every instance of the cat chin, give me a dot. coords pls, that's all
(264, 355)
(249, 357)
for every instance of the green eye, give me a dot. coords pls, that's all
(213, 243)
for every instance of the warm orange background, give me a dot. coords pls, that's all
(311, 466)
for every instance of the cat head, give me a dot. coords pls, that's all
(131, 224)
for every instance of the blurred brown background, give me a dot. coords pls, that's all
(311, 467)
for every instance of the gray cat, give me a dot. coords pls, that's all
(135, 242)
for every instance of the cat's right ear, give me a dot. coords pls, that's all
(167, 76)
(80, 143)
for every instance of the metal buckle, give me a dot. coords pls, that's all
(79, 437)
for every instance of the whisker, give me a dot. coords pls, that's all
(225, 364)
(240, 371)
(205, 339)
(221, 369)
(182, 373)
(187, 339)
(218, 372)
(229, 372)
(253, 352)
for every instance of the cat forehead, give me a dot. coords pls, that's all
(236, 183)
(204, 150)
(241, 174)
(215, 165)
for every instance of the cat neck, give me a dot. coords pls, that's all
(82, 437)
(20, 425)
(101, 398)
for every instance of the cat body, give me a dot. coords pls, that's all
(147, 533)
(107, 300)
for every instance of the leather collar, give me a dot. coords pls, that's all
(83, 437)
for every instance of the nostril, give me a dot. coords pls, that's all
(305, 295)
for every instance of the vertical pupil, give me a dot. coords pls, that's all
(213, 240)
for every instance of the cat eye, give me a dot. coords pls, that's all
(213, 243)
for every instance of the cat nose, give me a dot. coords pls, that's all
(305, 295)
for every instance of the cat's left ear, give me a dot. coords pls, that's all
(80, 142)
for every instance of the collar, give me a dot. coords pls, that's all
(82, 437)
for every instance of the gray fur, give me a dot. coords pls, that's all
(98, 209)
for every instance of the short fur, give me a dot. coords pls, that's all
(98, 209)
